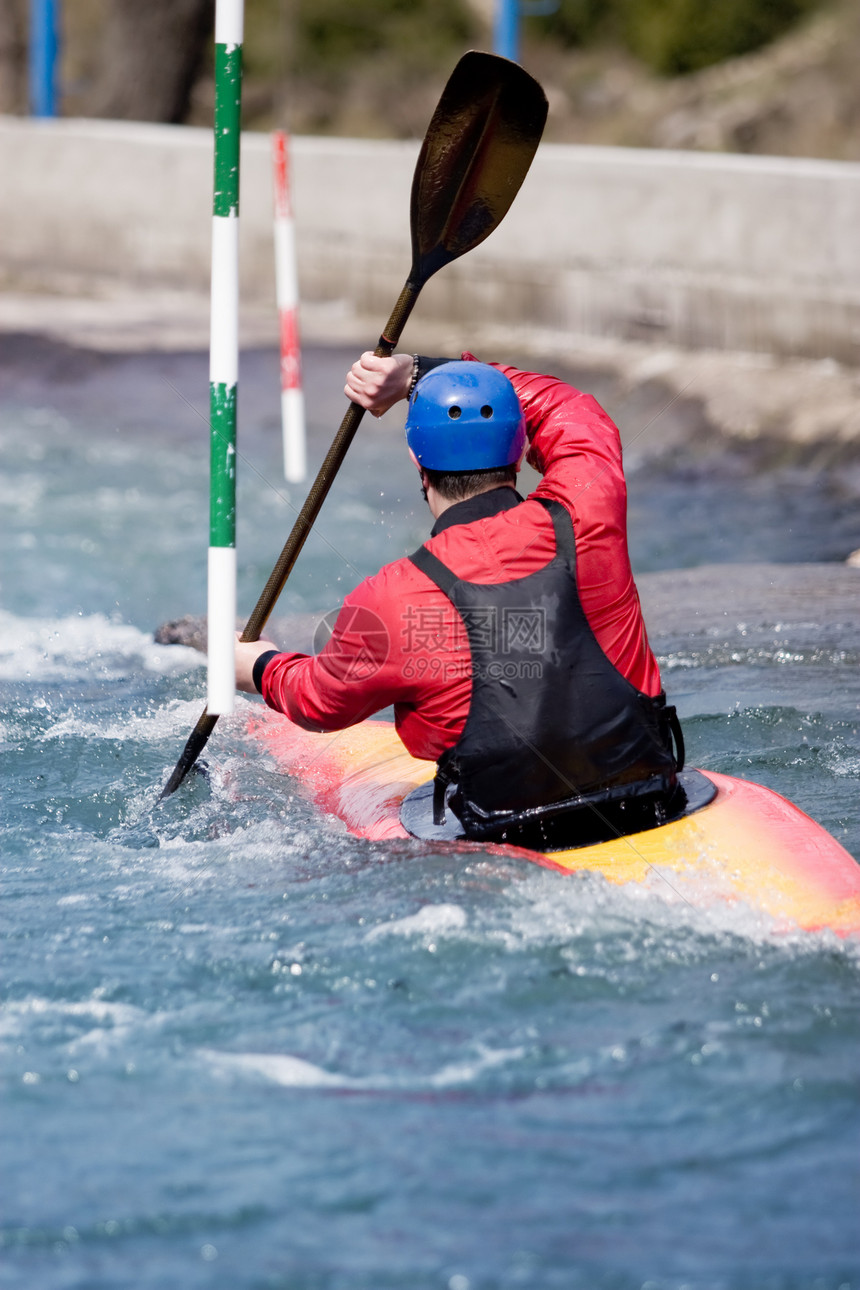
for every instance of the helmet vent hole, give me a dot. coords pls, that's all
(454, 412)
(486, 410)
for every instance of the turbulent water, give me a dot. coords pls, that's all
(242, 1049)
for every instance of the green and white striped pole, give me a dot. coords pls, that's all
(224, 357)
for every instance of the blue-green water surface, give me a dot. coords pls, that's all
(243, 1049)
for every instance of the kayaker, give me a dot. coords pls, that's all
(511, 644)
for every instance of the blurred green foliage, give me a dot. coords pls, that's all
(674, 37)
(577, 22)
(324, 38)
(330, 33)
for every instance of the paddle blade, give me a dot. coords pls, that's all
(476, 154)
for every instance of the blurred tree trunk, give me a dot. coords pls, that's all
(151, 54)
(13, 56)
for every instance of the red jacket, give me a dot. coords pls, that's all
(398, 639)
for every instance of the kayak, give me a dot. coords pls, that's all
(747, 843)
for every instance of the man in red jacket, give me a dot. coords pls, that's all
(511, 644)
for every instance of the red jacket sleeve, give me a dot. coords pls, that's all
(397, 641)
(348, 680)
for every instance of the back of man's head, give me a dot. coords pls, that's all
(465, 423)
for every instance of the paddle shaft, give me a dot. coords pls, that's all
(298, 536)
(325, 476)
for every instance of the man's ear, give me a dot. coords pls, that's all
(417, 464)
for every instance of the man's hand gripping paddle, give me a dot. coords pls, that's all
(476, 153)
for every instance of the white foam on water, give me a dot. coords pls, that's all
(21, 494)
(57, 649)
(432, 920)
(177, 716)
(294, 1072)
(842, 763)
(288, 1072)
(466, 1072)
(543, 911)
(106, 1020)
(196, 863)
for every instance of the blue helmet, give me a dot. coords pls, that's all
(465, 416)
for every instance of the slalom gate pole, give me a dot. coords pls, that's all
(224, 357)
(286, 279)
(506, 29)
(43, 58)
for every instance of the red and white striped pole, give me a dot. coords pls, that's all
(287, 289)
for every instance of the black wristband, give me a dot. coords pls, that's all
(260, 666)
(413, 380)
(421, 365)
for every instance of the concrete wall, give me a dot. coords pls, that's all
(692, 249)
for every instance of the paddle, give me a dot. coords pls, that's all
(476, 153)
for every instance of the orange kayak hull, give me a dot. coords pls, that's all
(749, 844)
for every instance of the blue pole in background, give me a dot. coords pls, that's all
(43, 57)
(506, 29)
